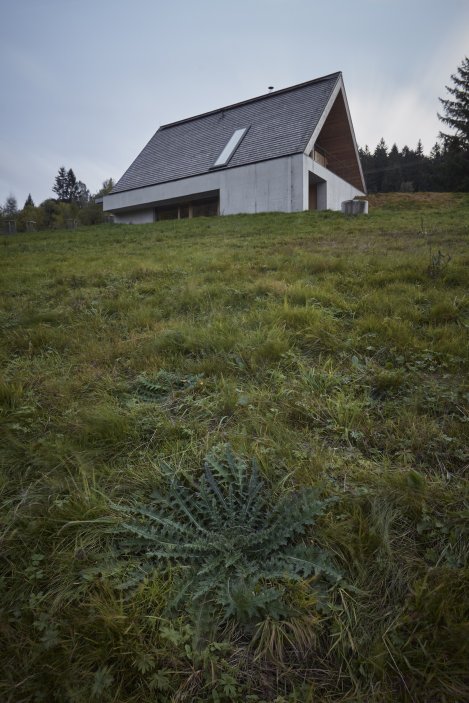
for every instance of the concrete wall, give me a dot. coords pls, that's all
(268, 186)
(334, 191)
(135, 217)
(278, 185)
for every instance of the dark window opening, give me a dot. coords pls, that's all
(313, 196)
(209, 207)
(168, 213)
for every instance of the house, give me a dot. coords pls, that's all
(286, 151)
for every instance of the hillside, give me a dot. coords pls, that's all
(333, 351)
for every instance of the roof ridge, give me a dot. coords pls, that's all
(265, 96)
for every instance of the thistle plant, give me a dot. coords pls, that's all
(235, 545)
(162, 384)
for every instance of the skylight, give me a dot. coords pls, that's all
(231, 147)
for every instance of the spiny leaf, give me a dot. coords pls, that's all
(228, 532)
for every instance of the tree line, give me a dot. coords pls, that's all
(447, 166)
(74, 202)
(445, 169)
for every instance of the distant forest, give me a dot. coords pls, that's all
(390, 170)
(446, 169)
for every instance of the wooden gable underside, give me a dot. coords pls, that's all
(335, 145)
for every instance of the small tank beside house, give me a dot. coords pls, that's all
(285, 151)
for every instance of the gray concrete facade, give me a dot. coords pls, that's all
(268, 186)
(278, 185)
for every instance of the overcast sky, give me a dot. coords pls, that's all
(86, 83)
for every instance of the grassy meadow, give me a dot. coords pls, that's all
(331, 350)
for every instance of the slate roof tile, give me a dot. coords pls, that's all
(280, 124)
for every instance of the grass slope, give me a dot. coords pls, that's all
(334, 351)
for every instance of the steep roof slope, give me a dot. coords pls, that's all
(279, 124)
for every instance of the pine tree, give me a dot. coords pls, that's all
(380, 156)
(73, 188)
(60, 186)
(435, 168)
(10, 209)
(393, 176)
(407, 163)
(68, 189)
(29, 202)
(419, 175)
(436, 151)
(456, 112)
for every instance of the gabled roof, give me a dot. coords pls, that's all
(279, 123)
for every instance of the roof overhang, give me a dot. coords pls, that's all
(339, 90)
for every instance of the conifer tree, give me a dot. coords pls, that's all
(68, 189)
(393, 177)
(73, 188)
(60, 186)
(380, 156)
(456, 112)
(10, 209)
(29, 202)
